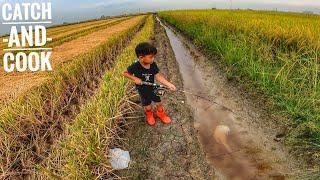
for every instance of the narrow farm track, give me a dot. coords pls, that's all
(20, 83)
(172, 151)
(29, 133)
(166, 151)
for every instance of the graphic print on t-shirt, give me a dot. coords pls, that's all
(144, 74)
(147, 77)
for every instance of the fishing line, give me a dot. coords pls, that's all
(161, 89)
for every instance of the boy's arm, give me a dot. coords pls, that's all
(165, 82)
(132, 77)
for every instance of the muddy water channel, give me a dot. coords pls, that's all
(232, 153)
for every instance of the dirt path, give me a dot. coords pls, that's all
(166, 151)
(172, 151)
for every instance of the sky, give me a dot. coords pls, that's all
(80, 10)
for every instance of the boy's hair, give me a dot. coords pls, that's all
(145, 48)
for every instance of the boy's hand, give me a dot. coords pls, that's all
(172, 87)
(138, 81)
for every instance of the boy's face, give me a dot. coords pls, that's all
(147, 59)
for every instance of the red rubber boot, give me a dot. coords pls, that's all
(150, 119)
(163, 117)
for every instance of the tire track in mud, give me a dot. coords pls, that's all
(253, 155)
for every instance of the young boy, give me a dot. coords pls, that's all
(146, 70)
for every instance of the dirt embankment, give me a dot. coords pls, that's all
(166, 151)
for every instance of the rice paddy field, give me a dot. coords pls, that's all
(274, 52)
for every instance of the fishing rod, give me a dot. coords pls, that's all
(160, 90)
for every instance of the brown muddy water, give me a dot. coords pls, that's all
(223, 146)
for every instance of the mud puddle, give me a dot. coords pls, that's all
(235, 150)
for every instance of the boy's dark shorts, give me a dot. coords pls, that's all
(148, 97)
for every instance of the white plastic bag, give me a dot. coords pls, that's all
(119, 158)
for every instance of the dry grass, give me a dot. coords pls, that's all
(70, 34)
(57, 31)
(20, 83)
(30, 124)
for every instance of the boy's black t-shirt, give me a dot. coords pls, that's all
(144, 74)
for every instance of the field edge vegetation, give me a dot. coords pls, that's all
(272, 52)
